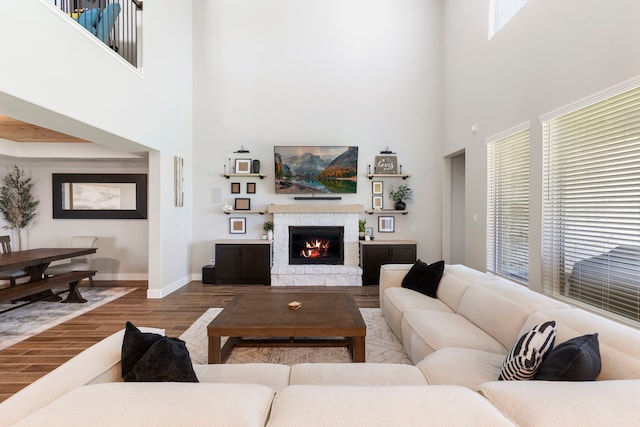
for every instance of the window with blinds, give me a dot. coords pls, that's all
(508, 205)
(591, 212)
(501, 12)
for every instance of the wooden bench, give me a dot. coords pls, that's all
(71, 278)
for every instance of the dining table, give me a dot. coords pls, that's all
(35, 263)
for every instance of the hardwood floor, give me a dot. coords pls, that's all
(26, 361)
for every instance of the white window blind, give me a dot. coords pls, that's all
(591, 213)
(508, 206)
(501, 12)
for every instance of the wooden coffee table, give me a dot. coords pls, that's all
(326, 319)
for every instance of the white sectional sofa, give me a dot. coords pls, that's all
(88, 391)
(457, 341)
(463, 336)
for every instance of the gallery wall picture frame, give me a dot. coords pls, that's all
(235, 188)
(386, 224)
(237, 225)
(377, 187)
(243, 166)
(376, 202)
(251, 188)
(386, 164)
(242, 204)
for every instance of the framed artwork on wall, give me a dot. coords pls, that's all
(237, 225)
(386, 224)
(295, 177)
(376, 202)
(242, 204)
(178, 181)
(235, 188)
(386, 164)
(243, 165)
(377, 187)
(251, 188)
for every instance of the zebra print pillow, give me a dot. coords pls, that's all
(527, 354)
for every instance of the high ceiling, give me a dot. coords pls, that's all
(15, 130)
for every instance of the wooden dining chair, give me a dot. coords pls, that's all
(12, 275)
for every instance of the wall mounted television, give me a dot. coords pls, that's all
(315, 169)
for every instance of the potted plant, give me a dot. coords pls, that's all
(17, 202)
(268, 227)
(400, 195)
(361, 228)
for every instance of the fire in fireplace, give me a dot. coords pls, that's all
(316, 245)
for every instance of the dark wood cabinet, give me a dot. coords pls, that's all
(243, 264)
(374, 254)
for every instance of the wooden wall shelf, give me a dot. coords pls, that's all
(244, 175)
(386, 211)
(238, 212)
(388, 175)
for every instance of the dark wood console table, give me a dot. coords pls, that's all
(374, 253)
(243, 262)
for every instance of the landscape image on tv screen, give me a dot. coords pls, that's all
(315, 169)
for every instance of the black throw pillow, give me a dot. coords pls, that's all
(424, 278)
(149, 357)
(577, 359)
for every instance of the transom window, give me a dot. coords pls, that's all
(501, 12)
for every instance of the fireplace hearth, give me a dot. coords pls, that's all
(316, 245)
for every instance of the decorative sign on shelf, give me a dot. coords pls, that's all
(386, 165)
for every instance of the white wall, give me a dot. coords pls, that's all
(317, 72)
(122, 244)
(550, 55)
(60, 77)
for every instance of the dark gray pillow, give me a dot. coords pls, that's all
(424, 278)
(577, 359)
(148, 357)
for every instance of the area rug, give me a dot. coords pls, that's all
(30, 320)
(381, 345)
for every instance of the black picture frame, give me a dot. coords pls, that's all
(377, 203)
(242, 204)
(62, 182)
(235, 188)
(251, 188)
(237, 225)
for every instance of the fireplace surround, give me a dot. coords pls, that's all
(283, 273)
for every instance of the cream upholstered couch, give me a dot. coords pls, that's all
(88, 390)
(458, 342)
(463, 336)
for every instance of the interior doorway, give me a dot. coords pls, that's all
(457, 208)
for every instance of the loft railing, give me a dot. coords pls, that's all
(117, 23)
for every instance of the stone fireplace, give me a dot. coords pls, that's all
(325, 222)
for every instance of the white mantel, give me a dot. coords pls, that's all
(283, 274)
(314, 209)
